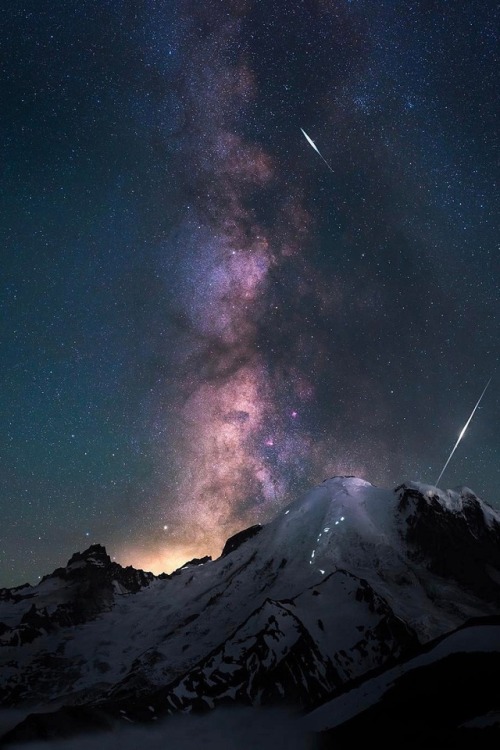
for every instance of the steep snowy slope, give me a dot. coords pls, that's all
(342, 581)
(301, 649)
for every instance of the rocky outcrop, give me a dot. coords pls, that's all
(460, 540)
(69, 596)
(240, 538)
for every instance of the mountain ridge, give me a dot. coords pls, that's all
(346, 580)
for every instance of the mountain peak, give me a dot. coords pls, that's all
(458, 500)
(454, 533)
(305, 603)
(94, 555)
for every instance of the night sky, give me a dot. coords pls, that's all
(199, 320)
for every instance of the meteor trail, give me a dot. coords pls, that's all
(463, 432)
(311, 142)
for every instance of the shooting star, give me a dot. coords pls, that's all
(463, 432)
(311, 142)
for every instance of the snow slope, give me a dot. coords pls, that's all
(346, 579)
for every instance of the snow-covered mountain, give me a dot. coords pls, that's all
(347, 581)
(87, 586)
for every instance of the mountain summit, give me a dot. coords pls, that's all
(349, 580)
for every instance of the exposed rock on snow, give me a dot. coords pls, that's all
(349, 579)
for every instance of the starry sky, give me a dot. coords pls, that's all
(199, 320)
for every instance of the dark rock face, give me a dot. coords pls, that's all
(88, 585)
(34, 622)
(462, 544)
(240, 538)
(13, 594)
(95, 567)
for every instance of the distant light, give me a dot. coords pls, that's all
(342, 518)
(294, 415)
(165, 527)
(336, 523)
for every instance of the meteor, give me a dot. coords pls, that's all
(311, 142)
(463, 432)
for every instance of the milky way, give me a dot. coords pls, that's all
(227, 414)
(240, 440)
(202, 319)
